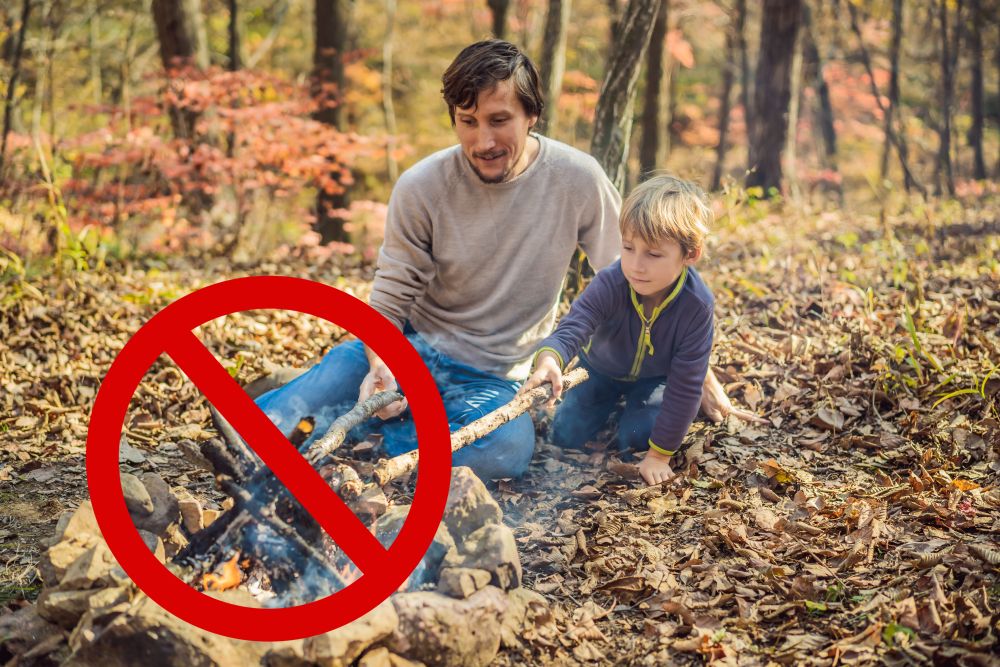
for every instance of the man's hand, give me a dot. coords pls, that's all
(716, 404)
(546, 370)
(655, 468)
(380, 378)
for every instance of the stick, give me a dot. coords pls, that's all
(390, 469)
(334, 436)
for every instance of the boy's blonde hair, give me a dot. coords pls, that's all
(666, 207)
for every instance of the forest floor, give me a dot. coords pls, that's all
(858, 525)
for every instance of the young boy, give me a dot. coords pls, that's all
(642, 328)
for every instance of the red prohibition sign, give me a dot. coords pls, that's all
(171, 331)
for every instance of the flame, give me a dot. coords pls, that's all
(229, 578)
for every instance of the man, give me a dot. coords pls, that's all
(478, 240)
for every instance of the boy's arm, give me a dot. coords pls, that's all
(592, 307)
(682, 393)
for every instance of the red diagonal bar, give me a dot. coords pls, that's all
(277, 453)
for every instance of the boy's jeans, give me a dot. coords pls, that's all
(587, 409)
(330, 389)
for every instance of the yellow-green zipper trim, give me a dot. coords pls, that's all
(645, 342)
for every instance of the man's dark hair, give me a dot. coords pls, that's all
(481, 66)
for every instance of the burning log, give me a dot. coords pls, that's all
(394, 468)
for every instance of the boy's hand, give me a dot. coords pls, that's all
(655, 468)
(546, 370)
(380, 378)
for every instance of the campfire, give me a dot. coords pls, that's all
(456, 608)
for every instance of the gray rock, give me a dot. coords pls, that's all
(461, 582)
(470, 505)
(165, 507)
(439, 630)
(341, 647)
(23, 630)
(64, 608)
(137, 498)
(383, 657)
(491, 548)
(91, 569)
(388, 527)
(147, 634)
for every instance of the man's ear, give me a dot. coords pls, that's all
(693, 256)
(531, 121)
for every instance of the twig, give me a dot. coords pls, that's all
(390, 469)
(334, 436)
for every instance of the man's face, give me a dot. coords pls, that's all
(494, 132)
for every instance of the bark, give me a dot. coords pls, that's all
(388, 109)
(180, 30)
(891, 137)
(772, 92)
(498, 10)
(944, 132)
(8, 108)
(745, 80)
(553, 61)
(614, 19)
(976, 55)
(891, 112)
(235, 59)
(613, 117)
(728, 78)
(815, 72)
(794, 103)
(332, 22)
(390, 469)
(655, 121)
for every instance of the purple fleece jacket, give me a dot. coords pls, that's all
(674, 343)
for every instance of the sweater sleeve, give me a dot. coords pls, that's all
(682, 394)
(593, 306)
(599, 234)
(405, 260)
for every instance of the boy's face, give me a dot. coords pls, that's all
(494, 132)
(652, 269)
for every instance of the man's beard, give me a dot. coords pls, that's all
(493, 180)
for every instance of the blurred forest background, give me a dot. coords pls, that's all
(246, 128)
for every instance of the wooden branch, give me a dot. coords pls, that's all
(390, 469)
(334, 436)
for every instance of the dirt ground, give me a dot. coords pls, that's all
(859, 525)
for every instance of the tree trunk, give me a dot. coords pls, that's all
(655, 122)
(553, 61)
(745, 82)
(791, 138)
(815, 71)
(180, 29)
(8, 109)
(93, 50)
(944, 132)
(894, 49)
(891, 136)
(387, 106)
(725, 101)
(976, 55)
(614, 18)
(772, 92)
(499, 8)
(332, 21)
(235, 59)
(613, 117)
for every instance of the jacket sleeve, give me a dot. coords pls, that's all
(405, 260)
(592, 307)
(599, 235)
(682, 394)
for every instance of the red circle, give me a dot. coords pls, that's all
(178, 320)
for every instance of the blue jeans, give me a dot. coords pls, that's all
(588, 408)
(330, 389)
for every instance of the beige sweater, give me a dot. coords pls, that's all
(477, 268)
